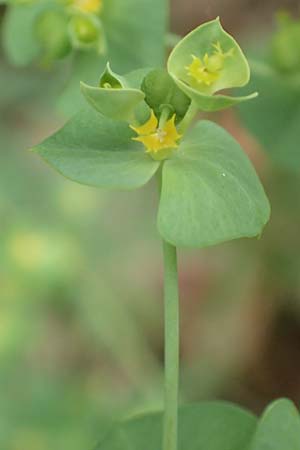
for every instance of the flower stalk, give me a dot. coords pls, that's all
(171, 311)
(171, 343)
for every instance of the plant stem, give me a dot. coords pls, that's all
(171, 310)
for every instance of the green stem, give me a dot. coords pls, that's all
(171, 307)
(188, 118)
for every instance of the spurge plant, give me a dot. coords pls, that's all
(138, 126)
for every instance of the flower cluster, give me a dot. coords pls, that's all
(157, 137)
(143, 129)
(71, 24)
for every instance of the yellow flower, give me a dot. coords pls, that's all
(156, 138)
(207, 70)
(88, 6)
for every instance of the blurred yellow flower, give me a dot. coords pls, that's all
(88, 6)
(156, 137)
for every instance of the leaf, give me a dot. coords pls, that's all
(203, 426)
(96, 151)
(210, 191)
(234, 73)
(18, 36)
(274, 118)
(117, 101)
(279, 428)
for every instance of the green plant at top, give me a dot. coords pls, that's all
(274, 119)
(58, 26)
(83, 34)
(139, 125)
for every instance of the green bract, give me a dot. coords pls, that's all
(116, 97)
(223, 69)
(210, 192)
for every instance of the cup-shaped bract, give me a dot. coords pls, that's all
(86, 31)
(206, 61)
(116, 97)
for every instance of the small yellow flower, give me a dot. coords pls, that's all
(156, 138)
(88, 6)
(207, 70)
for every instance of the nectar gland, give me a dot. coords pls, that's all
(157, 137)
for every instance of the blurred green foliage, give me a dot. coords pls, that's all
(274, 117)
(80, 291)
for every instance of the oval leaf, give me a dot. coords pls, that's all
(210, 191)
(206, 426)
(96, 151)
(279, 428)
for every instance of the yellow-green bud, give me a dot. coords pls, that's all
(84, 29)
(52, 34)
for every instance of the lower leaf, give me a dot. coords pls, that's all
(204, 426)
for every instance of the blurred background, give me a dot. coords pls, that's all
(81, 314)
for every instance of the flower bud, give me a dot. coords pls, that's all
(160, 89)
(51, 31)
(86, 31)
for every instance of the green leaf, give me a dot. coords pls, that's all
(274, 118)
(210, 191)
(96, 151)
(279, 428)
(206, 426)
(116, 101)
(231, 68)
(18, 37)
